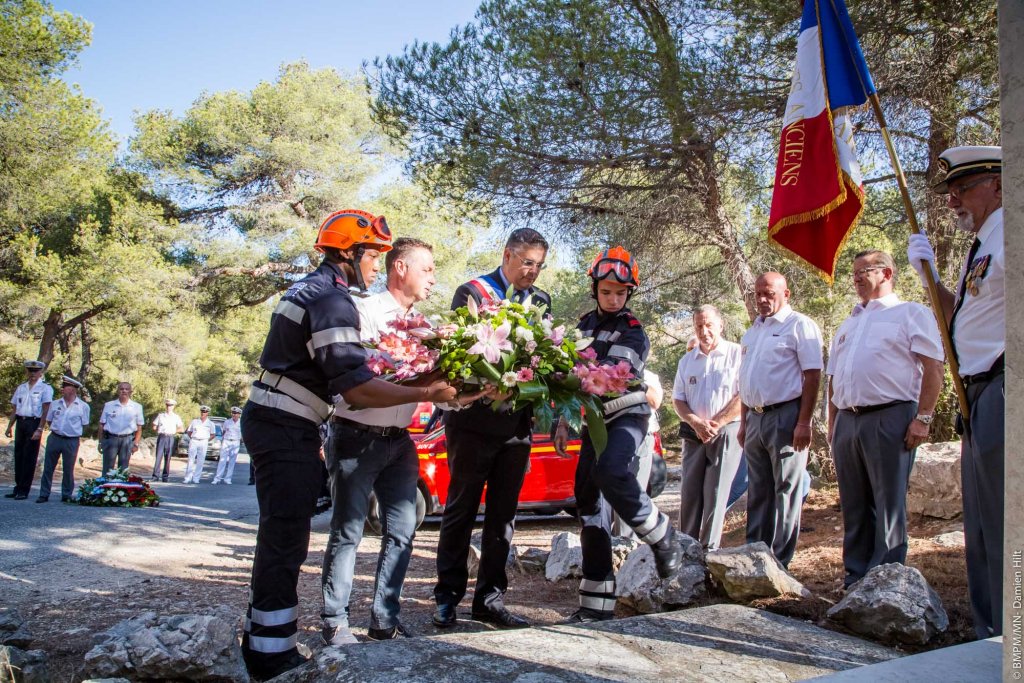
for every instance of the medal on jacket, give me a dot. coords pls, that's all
(977, 272)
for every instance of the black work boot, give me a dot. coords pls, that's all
(668, 554)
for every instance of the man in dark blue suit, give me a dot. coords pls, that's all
(487, 447)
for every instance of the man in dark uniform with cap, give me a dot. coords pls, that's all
(487, 448)
(311, 356)
(977, 320)
(31, 401)
(67, 419)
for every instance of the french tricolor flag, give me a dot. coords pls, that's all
(819, 193)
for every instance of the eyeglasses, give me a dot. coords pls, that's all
(530, 264)
(861, 272)
(957, 192)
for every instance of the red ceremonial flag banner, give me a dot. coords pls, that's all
(818, 194)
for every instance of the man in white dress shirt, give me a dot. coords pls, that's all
(199, 431)
(977, 320)
(706, 398)
(30, 403)
(230, 442)
(885, 366)
(370, 451)
(168, 425)
(121, 422)
(67, 419)
(780, 373)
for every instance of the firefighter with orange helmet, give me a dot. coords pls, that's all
(606, 481)
(311, 356)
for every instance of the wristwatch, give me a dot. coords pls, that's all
(924, 419)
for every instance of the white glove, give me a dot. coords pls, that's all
(920, 249)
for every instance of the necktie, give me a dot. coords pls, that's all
(519, 296)
(962, 294)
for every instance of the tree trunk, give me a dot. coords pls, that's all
(85, 368)
(51, 330)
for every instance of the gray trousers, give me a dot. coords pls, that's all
(774, 470)
(64, 449)
(116, 449)
(873, 469)
(708, 471)
(981, 471)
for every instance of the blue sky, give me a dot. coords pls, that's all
(162, 54)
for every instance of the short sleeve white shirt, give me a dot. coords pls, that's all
(122, 419)
(776, 351)
(28, 401)
(874, 355)
(168, 424)
(68, 420)
(707, 382)
(375, 312)
(979, 328)
(653, 383)
(201, 430)
(231, 430)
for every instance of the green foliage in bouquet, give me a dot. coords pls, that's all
(119, 488)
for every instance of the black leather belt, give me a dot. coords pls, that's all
(370, 429)
(860, 410)
(768, 409)
(997, 369)
(112, 435)
(28, 417)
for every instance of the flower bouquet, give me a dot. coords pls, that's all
(515, 347)
(118, 488)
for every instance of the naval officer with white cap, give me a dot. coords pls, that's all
(67, 419)
(977, 320)
(31, 400)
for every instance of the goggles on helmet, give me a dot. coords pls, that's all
(613, 268)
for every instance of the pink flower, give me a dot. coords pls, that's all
(557, 335)
(446, 331)
(409, 323)
(588, 354)
(379, 365)
(534, 361)
(491, 341)
(530, 346)
(524, 375)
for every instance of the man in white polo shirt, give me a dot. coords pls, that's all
(121, 422)
(705, 396)
(779, 378)
(168, 425)
(30, 403)
(67, 419)
(886, 371)
(230, 442)
(199, 431)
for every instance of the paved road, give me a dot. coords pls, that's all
(54, 548)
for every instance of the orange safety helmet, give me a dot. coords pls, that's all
(618, 264)
(350, 227)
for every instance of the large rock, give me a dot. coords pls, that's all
(13, 630)
(893, 603)
(934, 489)
(751, 571)
(19, 666)
(701, 645)
(638, 586)
(566, 558)
(193, 647)
(621, 548)
(475, 552)
(531, 560)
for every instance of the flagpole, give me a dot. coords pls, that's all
(929, 278)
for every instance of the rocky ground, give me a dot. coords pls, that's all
(205, 562)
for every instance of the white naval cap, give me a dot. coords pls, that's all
(958, 162)
(236, 409)
(34, 365)
(170, 402)
(204, 409)
(68, 379)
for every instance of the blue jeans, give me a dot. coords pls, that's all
(359, 463)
